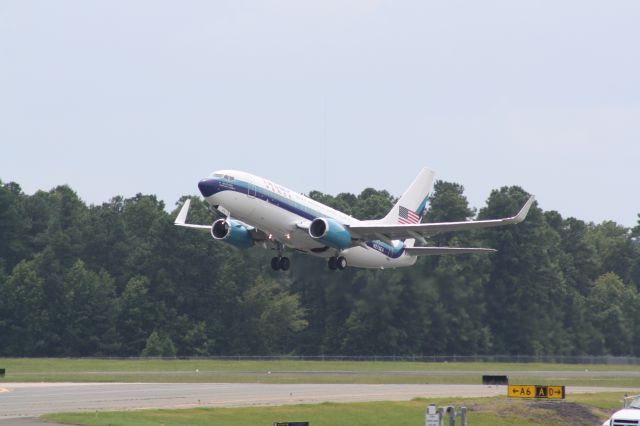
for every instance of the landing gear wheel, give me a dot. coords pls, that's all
(275, 263)
(341, 262)
(284, 263)
(333, 263)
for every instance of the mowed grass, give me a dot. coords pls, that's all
(293, 371)
(578, 409)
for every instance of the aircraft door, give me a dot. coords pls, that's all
(251, 192)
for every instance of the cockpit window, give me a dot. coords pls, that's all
(222, 176)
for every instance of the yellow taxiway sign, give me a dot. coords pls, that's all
(536, 391)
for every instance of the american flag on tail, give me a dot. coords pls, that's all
(407, 216)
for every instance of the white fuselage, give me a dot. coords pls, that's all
(282, 214)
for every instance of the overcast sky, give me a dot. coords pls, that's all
(119, 97)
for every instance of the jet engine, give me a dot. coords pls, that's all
(330, 232)
(232, 232)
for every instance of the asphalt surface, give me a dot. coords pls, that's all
(25, 421)
(520, 373)
(27, 400)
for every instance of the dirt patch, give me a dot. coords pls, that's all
(544, 412)
(570, 413)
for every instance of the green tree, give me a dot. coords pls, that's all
(325, 296)
(192, 338)
(526, 288)
(612, 306)
(448, 203)
(89, 313)
(138, 316)
(13, 226)
(579, 261)
(65, 234)
(107, 244)
(372, 327)
(159, 345)
(615, 249)
(446, 293)
(268, 317)
(372, 204)
(635, 232)
(117, 278)
(460, 282)
(23, 312)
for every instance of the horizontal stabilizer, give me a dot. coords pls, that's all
(436, 251)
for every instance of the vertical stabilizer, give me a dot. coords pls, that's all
(413, 204)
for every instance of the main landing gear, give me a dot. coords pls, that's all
(280, 263)
(337, 263)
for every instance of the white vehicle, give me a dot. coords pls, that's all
(260, 211)
(629, 415)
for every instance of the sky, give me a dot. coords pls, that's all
(121, 97)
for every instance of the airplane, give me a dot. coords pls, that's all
(260, 212)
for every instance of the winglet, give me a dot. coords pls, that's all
(182, 216)
(522, 214)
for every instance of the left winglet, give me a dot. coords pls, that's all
(182, 216)
(181, 219)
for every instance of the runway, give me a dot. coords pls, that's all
(33, 399)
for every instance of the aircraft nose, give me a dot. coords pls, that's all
(207, 187)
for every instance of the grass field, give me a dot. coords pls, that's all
(577, 409)
(589, 409)
(291, 371)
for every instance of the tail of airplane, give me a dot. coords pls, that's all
(413, 204)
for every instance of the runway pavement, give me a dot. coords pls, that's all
(556, 374)
(20, 400)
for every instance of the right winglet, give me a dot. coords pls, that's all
(522, 214)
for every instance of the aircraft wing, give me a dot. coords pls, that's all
(256, 234)
(420, 231)
(436, 251)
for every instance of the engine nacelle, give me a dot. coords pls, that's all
(232, 232)
(330, 232)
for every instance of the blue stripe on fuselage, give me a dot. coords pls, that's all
(209, 187)
(388, 250)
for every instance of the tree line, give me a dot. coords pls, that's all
(118, 279)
